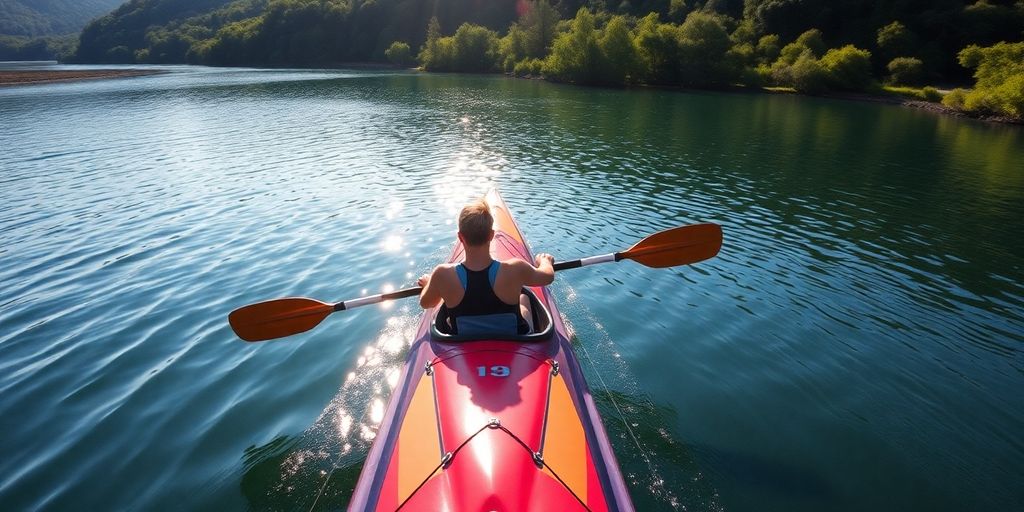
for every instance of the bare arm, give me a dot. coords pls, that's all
(430, 296)
(540, 274)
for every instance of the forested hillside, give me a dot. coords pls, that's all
(159, 31)
(307, 32)
(34, 18)
(274, 32)
(810, 46)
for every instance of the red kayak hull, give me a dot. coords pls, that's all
(492, 425)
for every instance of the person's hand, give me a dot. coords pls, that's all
(423, 280)
(542, 257)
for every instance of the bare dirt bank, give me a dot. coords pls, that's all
(51, 76)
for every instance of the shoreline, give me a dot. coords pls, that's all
(39, 77)
(42, 76)
(863, 97)
(930, 106)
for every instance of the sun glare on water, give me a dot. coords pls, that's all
(392, 243)
(393, 209)
(467, 178)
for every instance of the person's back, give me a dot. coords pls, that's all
(482, 295)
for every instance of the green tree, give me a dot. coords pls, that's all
(806, 75)
(986, 21)
(768, 49)
(472, 48)
(512, 48)
(745, 32)
(906, 71)
(433, 29)
(677, 10)
(443, 56)
(848, 68)
(999, 75)
(528, 67)
(476, 49)
(167, 46)
(575, 54)
(809, 41)
(658, 50)
(399, 53)
(539, 23)
(813, 40)
(894, 40)
(233, 44)
(618, 52)
(434, 54)
(40, 48)
(703, 51)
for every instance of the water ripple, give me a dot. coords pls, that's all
(861, 329)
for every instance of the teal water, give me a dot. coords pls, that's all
(855, 346)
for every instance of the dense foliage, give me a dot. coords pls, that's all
(999, 70)
(473, 48)
(275, 32)
(906, 71)
(40, 48)
(812, 46)
(160, 31)
(399, 54)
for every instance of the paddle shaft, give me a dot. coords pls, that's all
(583, 262)
(374, 299)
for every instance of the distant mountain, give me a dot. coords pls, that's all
(34, 18)
(158, 31)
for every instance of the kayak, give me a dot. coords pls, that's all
(505, 423)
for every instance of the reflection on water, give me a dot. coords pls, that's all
(318, 469)
(655, 461)
(855, 346)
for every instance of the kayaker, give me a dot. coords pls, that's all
(482, 295)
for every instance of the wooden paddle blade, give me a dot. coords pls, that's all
(677, 246)
(278, 318)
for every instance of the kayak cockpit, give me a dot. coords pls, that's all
(544, 327)
(492, 425)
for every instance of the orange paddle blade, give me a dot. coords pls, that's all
(677, 246)
(278, 318)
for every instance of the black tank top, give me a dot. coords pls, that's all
(481, 302)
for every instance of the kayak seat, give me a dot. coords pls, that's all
(440, 329)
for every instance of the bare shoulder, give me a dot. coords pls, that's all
(445, 269)
(516, 264)
(444, 278)
(527, 274)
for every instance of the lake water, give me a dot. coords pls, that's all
(857, 345)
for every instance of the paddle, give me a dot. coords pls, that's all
(283, 317)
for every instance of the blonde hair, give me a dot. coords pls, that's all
(475, 222)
